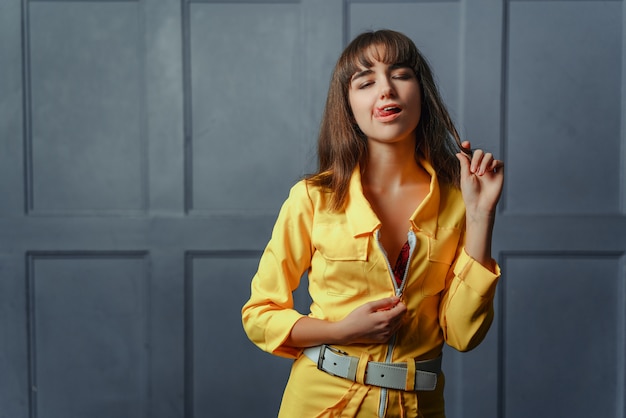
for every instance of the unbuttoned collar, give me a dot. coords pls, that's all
(424, 218)
(363, 220)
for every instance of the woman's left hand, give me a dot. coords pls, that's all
(482, 177)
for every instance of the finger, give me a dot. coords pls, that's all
(477, 158)
(466, 145)
(383, 304)
(465, 163)
(485, 163)
(401, 308)
(490, 165)
(398, 310)
(496, 164)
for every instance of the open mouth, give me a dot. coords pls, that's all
(388, 111)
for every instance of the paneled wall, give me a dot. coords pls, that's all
(561, 341)
(146, 147)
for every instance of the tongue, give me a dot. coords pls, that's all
(388, 112)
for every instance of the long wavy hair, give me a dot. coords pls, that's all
(342, 145)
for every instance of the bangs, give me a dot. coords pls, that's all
(387, 47)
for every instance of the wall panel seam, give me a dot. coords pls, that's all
(187, 106)
(504, 96)
(27, 107)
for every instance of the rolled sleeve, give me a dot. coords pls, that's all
(269, 315)
(477, 277)
(466, 310)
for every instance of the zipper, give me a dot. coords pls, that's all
(412, 240)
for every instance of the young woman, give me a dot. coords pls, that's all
(394, 231)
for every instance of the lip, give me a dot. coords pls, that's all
(381, 115)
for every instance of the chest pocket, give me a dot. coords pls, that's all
(339, 260)
(441, 253)
(336, 243)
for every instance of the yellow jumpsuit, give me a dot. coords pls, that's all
(449, 296)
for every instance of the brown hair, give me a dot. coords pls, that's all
(341, 144)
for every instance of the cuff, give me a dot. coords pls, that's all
(278, 331)
(481, 279)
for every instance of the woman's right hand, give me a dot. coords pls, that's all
(373, 322)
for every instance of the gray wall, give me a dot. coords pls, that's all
(146, 146)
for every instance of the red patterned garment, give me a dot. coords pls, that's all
(401, 262)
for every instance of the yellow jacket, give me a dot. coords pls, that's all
(449, 296)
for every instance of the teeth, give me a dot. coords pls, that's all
(389, 108)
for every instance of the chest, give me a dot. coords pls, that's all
(346, 268)
(394, 210)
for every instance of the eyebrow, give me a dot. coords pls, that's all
(360, 74)
(368, 71)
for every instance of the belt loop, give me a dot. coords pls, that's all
(410, 375)
(361, 369)
(352, 368)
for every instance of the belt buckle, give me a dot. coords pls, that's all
(321, 358)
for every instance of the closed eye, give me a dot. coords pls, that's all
(402, 76)
(362, 79)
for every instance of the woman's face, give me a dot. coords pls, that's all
(386, 102)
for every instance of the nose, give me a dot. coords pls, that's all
(386, 88)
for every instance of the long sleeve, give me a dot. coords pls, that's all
(268, 316)
(466, 308)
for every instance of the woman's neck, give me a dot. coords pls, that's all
(389, 167)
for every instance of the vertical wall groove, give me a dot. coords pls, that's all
(622, 200)
(502, 207)
(504, 96)
(346, 22)
(143, 111)
(460, 117)
(27, 116)
(501, 362)
(188, 337)
(187, 101)
(621, 338)
(31, 343)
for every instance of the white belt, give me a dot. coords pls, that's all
(386, 375)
